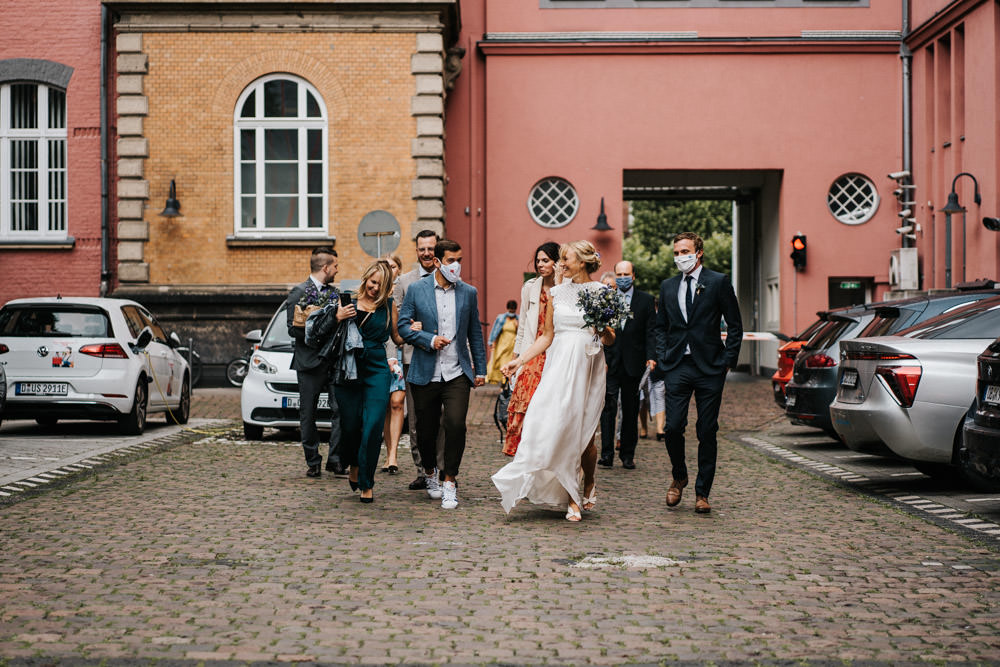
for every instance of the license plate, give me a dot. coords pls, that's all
(293, 402)
(790, 400)
(41, 389)
(992, 394)
(849, 378)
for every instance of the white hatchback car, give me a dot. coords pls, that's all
(90, 358)
(270, 393)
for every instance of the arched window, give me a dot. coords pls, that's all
(32, 161)
(281, 158)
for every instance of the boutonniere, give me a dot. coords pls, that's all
(698, 289)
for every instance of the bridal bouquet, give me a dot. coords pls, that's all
(603, 307)
(311, 300)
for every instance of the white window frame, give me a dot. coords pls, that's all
(567, 211)
(43, 135)
(302, 124)
(859, 215)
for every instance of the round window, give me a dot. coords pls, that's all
(553, 202)
(852, 199)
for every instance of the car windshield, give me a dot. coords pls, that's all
(276, 337)
(54, 321)
(977, 321)
(811, 330)
(829, 334)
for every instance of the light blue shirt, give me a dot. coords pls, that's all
(446, 366)
(682, 295)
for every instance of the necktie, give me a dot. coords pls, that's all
(690, 296)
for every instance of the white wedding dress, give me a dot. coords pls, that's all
(563, 413)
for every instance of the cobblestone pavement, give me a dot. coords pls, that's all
(217, 549)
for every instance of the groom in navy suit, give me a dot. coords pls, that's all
(441, 371)
(690, 350)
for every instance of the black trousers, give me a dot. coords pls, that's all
(628, 386)
(311, 385)
(437, 405)
(681, 382)
(411, 418)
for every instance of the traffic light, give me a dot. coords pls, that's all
(799, 251)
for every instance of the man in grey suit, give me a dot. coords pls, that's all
(690, 350)
(312, 371)
(441, 371)
(426, 240)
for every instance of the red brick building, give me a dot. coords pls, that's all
(54, 228)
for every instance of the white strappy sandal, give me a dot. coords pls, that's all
(591, 500)
(573, 514)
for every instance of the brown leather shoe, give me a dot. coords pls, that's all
(701, 505)
(674, 492)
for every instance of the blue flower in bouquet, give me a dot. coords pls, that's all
(603, 307)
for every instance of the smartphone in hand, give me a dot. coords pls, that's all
(345, 298)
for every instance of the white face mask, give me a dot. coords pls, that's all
(451, 272)
(685, 263)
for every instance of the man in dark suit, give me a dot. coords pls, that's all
(691, 352)
(312, 371)
(633, 351)
(441, 371)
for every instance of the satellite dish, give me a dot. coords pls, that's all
(378, 233)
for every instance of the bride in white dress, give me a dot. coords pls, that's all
(565, 409)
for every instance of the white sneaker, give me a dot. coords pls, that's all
(449, 500)
(433, 485)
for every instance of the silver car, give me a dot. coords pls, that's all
(909, 393)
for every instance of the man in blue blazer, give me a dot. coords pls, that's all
(690, 350)
(441, 369)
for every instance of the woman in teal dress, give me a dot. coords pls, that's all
(363, 403)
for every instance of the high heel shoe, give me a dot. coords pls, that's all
(368, 499)
(573, 514)
(591, 500)
(354, 485)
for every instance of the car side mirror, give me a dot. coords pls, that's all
(143, 340)
(255, 336)
(174, 340)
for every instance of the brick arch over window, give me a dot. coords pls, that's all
(235, 81)
(39, 71)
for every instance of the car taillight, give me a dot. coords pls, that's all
(878, 356)
(104, 350)
(902, 381)
(820, 361)
(4, 349)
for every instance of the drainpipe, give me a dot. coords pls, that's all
(105, 242)
(906, 56)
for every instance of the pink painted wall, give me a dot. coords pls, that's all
(958, 102)
(67, 32)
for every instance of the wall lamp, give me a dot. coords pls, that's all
(173, 207)
(602, 220)
(949, 209)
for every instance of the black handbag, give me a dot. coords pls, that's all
(500, 407)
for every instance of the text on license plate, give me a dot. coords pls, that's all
(41, 389)
(849, 378)
(992, 394)
(790, 400)
(293, 402)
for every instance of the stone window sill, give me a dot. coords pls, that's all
(280, 242)
(39, 244)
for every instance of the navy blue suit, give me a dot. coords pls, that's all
(703, 371)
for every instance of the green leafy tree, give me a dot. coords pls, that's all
(654, 224)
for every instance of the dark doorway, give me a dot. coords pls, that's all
(849, 291)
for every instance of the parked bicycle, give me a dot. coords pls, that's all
(236, 370)
(194, 361)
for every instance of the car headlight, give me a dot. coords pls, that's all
(261, 364)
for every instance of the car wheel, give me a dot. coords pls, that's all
(253, 431)
(134, 423)
(46, 421)
(183, 412)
